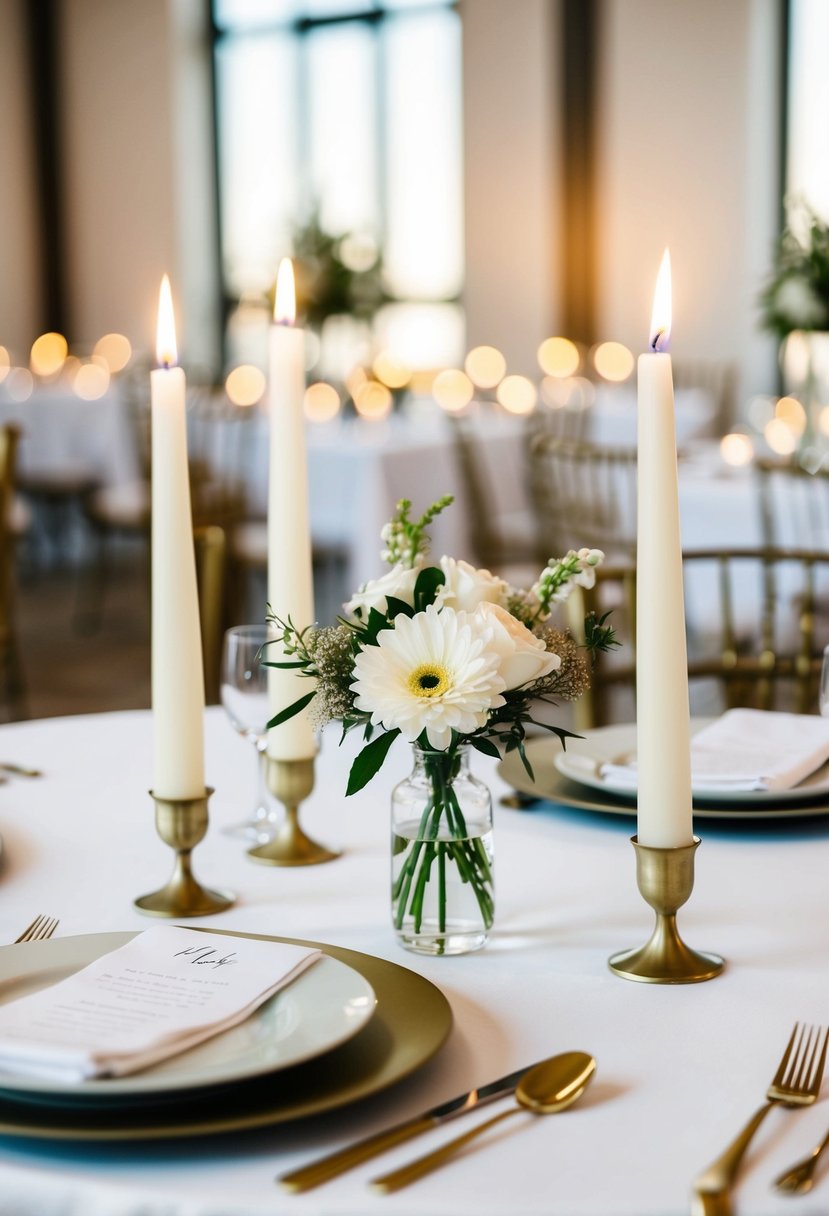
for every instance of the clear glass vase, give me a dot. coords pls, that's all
(442, 886)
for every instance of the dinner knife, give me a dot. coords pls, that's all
(336, 1163)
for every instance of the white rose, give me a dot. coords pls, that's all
(465, 587)
(523, 655)
(399, 582)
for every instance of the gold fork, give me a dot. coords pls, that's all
(796, 1083)
(40, 928)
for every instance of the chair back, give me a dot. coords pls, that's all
(583, 494)
(12, 688)
(794, 503)
(211, 574)
(756, 624)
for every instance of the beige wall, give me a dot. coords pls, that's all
(512, 208)
(19, 264)
(689, 160)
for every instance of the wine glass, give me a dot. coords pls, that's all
(824, 685)
(244, 694)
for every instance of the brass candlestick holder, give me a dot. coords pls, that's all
(665, 878)
(291, 781)
(182, 823)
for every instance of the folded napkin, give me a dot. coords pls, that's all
(747, 749)
(164, 991)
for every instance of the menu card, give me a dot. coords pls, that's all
(164, 991)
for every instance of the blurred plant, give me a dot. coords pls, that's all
(335, 273)
(797, 294)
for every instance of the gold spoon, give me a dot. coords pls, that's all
(545, 1089)
(799, 1178)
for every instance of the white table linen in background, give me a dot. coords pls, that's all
(64, 435)
(679, 1068)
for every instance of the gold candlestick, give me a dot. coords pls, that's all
(181, 823)
(665, 878)
(291, 781)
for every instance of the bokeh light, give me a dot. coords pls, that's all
(737, 449)
(392, 372)
(322, 402)
(115, 350)
(485, 366)
(613, 361)
(245, 385)
(373, 401)
(517, 394)
(91, 380)
(780, 437)
(791, 412)
(559, 357)
(5, 363)
(452, 389)
(20, 384)
(48, 354)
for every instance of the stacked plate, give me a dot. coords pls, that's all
(574, 778)
(348, 1027)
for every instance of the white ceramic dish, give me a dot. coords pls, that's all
(322, 1008)
(583, 759)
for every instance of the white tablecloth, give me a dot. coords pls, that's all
(679, 1068)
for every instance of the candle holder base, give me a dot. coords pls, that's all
(291, 781)
(181, 823)
(665, 878)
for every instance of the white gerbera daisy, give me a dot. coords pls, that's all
(432, 672)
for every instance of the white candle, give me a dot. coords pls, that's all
(290, 578)
(177, 673)
(662, 714)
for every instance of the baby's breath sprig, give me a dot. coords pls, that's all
(407, 540)
(552, 586)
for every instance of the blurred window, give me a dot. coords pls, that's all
(807, 136)
(348, 112)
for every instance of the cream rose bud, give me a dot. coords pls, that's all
(399, 582)
(465, 587)
(590, 559)
(523, 655)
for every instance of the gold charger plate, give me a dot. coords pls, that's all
(552, 785)
(411, 1022)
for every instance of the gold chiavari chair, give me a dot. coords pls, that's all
(583, 494)
(794, 503)
(12, 686)
(756, 620)
(211, 575)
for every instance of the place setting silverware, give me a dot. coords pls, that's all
(799, 1178)
(545, 1088)
(41, 928)
(19, 770)
(795, 1083)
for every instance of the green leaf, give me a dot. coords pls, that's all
(522, 753)
(487, 747)
(297, 707)
(396, 607)
(369, 761)
(375, 624)
(265, 663)
(426, 587)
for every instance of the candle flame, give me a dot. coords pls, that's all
(284, 308)
(661, 315)
(166, 351)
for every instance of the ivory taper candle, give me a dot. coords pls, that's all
(662, 713)
(177, 672)
(290, 577)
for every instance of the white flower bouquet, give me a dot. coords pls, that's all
(447, 657)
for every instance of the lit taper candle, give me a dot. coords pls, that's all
(290, 577)
(177, 673)
(662, 713)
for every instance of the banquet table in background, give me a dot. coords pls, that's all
(679, 1068)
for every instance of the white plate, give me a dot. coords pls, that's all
(323, 1007)
(584, 757)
